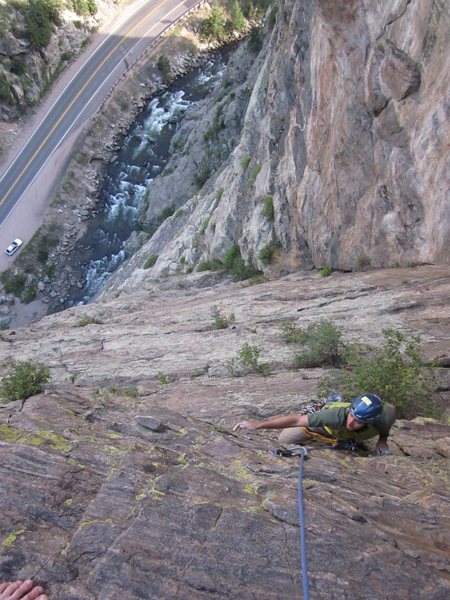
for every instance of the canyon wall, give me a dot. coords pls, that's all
(340, 124)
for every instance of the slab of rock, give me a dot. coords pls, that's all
(200, 512)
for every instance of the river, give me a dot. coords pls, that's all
(143, 155)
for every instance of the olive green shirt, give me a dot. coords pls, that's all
(334, 418)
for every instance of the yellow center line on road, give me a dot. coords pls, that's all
(122, 40)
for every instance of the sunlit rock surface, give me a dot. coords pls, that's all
(118, 485)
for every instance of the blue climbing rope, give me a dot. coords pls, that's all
(303, 557)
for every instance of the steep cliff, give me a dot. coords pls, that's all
(124, 479)
(340, 125)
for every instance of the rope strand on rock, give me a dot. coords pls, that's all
(303, 555)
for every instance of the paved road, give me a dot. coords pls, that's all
(27, 181)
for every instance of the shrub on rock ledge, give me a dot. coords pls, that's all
(24, 379)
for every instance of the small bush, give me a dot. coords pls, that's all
(49, 269)
(362, 262)
(235, 264)
(40, 16)
(163, 66)
(30, 293)
(25, 379)
(254, 173)
(237, 19)
(221, 321)
(267, 208)
(245, 161)
(255, 40)
(326, 271)
(165, 214)
(202, 174)
(247, 360)
(13, 284)
(292, 334)
(209, 265)
(84, 7)
(396, 371)
(322, 342)
(231, 255)
(87, 320)
(163, 378)
(266, 253)
(249, 356)
(126, 392)
(214, 26)
(18, 65)
(203, 226)
(151, 260)
(5, 90)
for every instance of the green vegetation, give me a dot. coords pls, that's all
(214, 26)
(396, 371)
(165, 214)
(84, 7)
(30, 293)
(151, 260)
(326, 271)
(266, 253)
(202, 174)
(234, 264)
(203, 226)
(5, 91)
(254, 173)
(362, 262)
(88, 320)
(24, 379)
(126, 392)
(237, 19)
(221, 321)
(209, 265)
(321, 341)
(13, 284)
(163, 378)
(255, 40)
(267, 208)
(245, 161)
(163, 66)
(40, 17)
(247, 360)
(18, 65)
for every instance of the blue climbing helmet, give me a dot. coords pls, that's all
(366, 408)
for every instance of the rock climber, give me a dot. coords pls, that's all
(364, 418)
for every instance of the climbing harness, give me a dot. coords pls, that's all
(315, 435)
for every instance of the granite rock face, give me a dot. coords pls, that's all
(345, 132)
(124, 479)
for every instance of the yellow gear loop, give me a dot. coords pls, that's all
(318, 436)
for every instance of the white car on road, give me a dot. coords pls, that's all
(15, 245)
